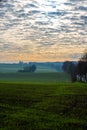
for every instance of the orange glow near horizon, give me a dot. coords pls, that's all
(48, 56)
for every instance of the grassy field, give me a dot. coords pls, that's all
(43, 106)
(35, 77)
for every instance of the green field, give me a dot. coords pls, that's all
(35, 77)
(43, 106)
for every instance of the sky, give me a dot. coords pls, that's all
(42, 30)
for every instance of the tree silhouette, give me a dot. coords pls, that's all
(82, 64)
(31, 68)
(82, 68)
(70, 68)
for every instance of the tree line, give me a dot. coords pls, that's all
(77, 71)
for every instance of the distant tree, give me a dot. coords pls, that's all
(70, 68)
(64, 67)
(82, 64)
(31, 68)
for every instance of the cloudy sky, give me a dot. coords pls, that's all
(42, 30)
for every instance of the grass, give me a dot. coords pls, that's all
(43, 106)
(34, 77)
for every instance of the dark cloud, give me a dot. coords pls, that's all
(32, 5)
(74, 1)
(84, 17)
(69, 4)
(56, 13)
(83, 8)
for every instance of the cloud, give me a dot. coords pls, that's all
(37, 25)
(82, 8)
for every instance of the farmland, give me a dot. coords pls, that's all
(35, 77)
(44, 100)
(43, 106)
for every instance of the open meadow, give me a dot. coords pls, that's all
(42, 103)
(35, 77)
